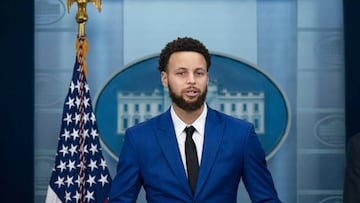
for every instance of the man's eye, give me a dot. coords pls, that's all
(180, 73)
(200, 73)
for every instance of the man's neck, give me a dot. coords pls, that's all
(188, 117)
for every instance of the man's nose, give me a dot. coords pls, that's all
(191, 78)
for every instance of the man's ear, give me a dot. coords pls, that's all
(164, 78)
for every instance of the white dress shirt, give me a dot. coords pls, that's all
(198, 136)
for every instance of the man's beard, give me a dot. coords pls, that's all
(187, 106)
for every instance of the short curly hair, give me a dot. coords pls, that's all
(183, 44)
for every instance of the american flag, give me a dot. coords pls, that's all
(80, 173)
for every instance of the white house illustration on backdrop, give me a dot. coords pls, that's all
(136, 107)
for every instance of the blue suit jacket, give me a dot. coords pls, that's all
(150, 158)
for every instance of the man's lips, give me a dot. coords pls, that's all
(191, 92)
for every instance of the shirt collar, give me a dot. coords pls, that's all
(199, 123)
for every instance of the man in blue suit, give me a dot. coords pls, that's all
(205, 165)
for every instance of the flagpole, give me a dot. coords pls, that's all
(81, 15)
(81, 52)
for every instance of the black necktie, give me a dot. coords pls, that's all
(192, 162)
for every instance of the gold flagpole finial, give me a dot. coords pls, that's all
(81, 15)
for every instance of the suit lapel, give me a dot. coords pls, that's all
(168, 143)
(214, 128)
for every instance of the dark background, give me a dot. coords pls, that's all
(352, 66)
(17, 101)
(17, 96)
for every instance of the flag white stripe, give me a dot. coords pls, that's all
(51, 196)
